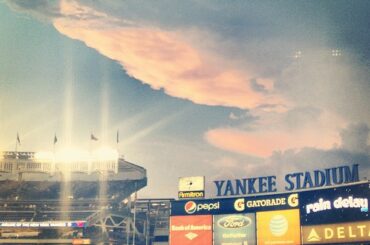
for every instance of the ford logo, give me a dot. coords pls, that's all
(234, 221)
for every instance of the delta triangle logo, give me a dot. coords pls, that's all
(191, 235)
(313, 236)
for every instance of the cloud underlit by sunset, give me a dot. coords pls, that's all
(162, 59)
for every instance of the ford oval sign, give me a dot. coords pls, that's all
(234, 222)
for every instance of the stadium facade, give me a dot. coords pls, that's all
(51, 199)
(45, 199)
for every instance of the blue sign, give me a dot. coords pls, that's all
(235, 205)
(335, 205)
(294, 181)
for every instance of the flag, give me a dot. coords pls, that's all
(92, 137)
(117, 136)
(18, 140)
(55, 139)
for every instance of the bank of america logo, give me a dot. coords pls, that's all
(191, 235)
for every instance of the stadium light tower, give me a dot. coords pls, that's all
(336, 52)
(298, 54)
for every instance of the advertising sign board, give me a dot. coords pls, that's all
(337, 233)
(235, 205)
(234, 229)
(278, 227)
(194, 230)
(293, 181)
(194, 183)
(335, 205)
(44, 224)
(191, 187)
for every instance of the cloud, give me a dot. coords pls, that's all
(238, 55)
(353, 148)
(41, 9)
(325, 93)
(163, 59)
(355, 138)
(335, 83)
(293, 129)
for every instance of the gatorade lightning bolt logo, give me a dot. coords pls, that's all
(190, 207)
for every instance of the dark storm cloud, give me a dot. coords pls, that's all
(41, 9)
(354, 149)
(256, 86)
(355, 138)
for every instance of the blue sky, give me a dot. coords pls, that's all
(210, 88)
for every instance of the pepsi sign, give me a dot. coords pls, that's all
(191, 207)
(235, 205)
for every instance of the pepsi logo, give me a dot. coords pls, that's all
(190, 207)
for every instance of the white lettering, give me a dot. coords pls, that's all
(321, 205)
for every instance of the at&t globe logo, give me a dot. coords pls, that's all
(278, 225)
(190, 207)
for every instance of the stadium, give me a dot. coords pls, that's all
(91, 198)
(75, 198)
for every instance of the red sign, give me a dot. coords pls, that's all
(194, 230)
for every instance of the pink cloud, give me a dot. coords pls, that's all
(265, 139)
(162, 59)
(264, 143)
(168, 60)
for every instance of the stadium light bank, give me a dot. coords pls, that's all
(103, 160)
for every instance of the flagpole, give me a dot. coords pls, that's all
(54, 157)
(55, 141)
(117, 141)
(89, 168)
(17, 141)
(92, 137)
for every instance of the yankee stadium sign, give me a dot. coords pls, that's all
(293, 181)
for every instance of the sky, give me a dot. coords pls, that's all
(221, 89)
